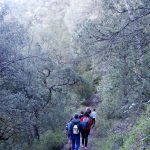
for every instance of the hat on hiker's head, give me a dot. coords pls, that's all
(76, 116)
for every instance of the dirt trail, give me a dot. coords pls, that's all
(92, 138)
(92, 135)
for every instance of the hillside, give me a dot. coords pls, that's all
(58, 57)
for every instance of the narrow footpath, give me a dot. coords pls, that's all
(92, 137)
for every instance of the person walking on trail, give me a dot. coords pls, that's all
(93, 114)
(68, 134)
(81, 115)
(74, 131)
(88, 110)
(86, 123)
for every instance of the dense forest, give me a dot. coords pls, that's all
(56, 55)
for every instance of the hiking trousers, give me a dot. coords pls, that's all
(75, 142)
(93, 122)
(85, 135)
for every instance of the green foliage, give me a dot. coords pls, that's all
(49, 141)
(103, 125)
(116, 141)
(96, 81)
(148, 94)
(111, 142)
(88, 67)
(36, 44)
(84, 90)
(139, 137)
(111, 94)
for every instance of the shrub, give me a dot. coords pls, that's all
(49, 141)
(139, 137)
(84, 90)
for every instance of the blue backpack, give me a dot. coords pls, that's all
(85, 123)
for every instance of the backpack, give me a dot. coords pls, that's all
(75, 129)
(85, 123)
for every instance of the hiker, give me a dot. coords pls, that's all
(81, 115)
(68, 134)
(74, 131)
(93, 114)
(88, 110)
(86, 123)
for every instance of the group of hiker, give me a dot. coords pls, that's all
(80, 125)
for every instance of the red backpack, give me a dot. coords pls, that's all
(86, 123)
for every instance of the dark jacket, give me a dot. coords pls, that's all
(68, 125)
(74, 122)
